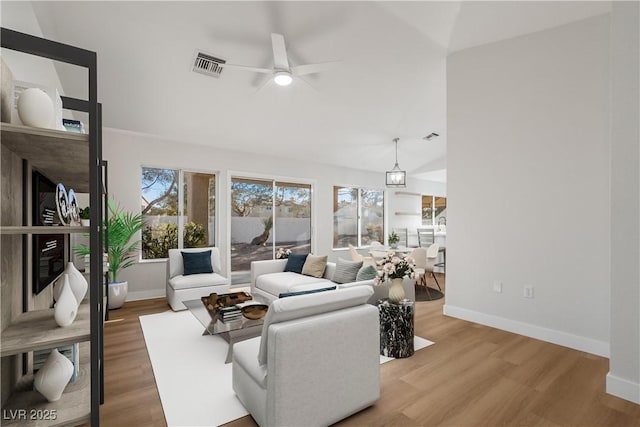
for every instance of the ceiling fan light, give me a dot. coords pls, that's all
(282, 78)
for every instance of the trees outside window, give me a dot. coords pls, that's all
(178, 209)
(358, 216)
(267, 215)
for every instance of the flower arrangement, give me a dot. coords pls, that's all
(283, 253)
(394, 267)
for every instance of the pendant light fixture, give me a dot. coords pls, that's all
(396, 178)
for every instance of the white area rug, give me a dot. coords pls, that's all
(193, 381)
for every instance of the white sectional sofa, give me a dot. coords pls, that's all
(269, 280)
(316, 362)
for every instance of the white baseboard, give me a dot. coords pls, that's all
(140, 295)
(589, 345)
(623, 389)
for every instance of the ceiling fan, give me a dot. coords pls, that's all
(282, 72)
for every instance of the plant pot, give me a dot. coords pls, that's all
(117, 294)
(85, 222)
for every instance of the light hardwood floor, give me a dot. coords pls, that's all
(473, 376)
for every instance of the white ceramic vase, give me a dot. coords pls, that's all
(396, 291)
(35, 108)
(117, 294)
(65, 309)
(53, 377)
(77, 282)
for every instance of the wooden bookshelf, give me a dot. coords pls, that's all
(42, 229)
(73, 408)
(38, 330)
(61, 156)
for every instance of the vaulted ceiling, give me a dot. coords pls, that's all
(391, 81)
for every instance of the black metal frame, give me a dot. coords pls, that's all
(37, 46)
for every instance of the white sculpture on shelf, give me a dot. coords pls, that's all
(35, 108)
(65, 309)
(54, 376)
(77, 282)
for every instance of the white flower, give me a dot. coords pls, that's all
(395, 260)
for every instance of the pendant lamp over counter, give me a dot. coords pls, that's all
(396, 178)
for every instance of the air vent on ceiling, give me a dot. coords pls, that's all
(206, 64)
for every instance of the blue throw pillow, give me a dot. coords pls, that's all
(197, 262)
(295, 262)
(310, 291)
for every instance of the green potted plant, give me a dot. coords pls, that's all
(394, 239)
(121, 229)
(85, 215)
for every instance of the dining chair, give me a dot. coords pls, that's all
(402, 235)
(425, 237)
(432, 256)
(355, 256)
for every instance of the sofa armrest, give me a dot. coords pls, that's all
(259, 268)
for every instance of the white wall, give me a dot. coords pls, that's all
(528, 184)
(19, 16)
(127, 152)
(624, 367)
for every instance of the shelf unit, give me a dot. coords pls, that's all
(42, 229)
(37, 330)
(75, 160)
(70, 409)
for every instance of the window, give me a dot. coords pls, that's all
(267, 215)
(434, 211)
(358, 216)
(179, 211)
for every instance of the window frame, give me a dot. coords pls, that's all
(359, 207)
(180, 213)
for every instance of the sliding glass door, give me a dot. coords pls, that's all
(267, 215)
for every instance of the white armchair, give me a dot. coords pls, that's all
(193, 286)
(317, 362)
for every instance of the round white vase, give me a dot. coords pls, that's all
(117, 294)
(54, 376)
(77, 281)
(396, 291)
(65, 309)
(35, 108)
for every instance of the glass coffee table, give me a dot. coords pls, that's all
(232, 331)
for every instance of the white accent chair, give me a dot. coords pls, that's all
(425, 259)
(317, 362)
(193, 286)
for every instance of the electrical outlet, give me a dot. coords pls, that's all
(528, 292)
(497, 287)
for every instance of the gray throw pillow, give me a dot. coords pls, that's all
(367, 272)
(346, 271)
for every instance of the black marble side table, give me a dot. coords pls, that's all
(396, 328)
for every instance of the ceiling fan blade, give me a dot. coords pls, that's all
(248, 68)
(302, 70)
(280, 61)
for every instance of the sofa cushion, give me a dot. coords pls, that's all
(314, 265)
(306, 292)
(277, 283)
(367, 272)
(346, 271)
(295, 262)
(197, 262)
(282, 310)
(244, 354)
(197, 281)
